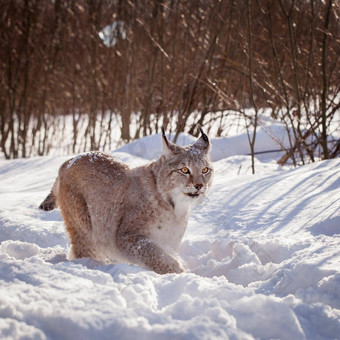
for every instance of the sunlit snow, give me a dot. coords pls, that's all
(262, 255)
(110, 33)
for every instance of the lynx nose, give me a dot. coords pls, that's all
(198, 186)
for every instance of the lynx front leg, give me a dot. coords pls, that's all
(142, 250)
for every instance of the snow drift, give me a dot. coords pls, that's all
(262, 257)
(150, 148)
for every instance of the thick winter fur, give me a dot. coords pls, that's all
(113, 213)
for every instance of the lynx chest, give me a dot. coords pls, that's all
(169, 229)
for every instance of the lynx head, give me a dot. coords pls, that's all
(186, 172)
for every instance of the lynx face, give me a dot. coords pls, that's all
(192, 176)
(188, 170)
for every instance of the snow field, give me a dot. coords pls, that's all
(262, 257)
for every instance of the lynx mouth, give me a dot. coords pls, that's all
(194, 194)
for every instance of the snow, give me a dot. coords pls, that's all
(262, 257)
(110, 33)
(150, 148)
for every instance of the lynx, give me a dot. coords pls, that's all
(139, 216)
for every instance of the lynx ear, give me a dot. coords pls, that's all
(203, 143)
(168, 148)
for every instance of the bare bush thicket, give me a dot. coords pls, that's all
(167, 59)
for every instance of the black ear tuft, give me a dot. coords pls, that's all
(204, 136)
(165, 140)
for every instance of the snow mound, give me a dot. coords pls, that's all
(149, 147)
(261, 253)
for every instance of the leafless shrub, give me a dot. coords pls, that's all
(163, 62)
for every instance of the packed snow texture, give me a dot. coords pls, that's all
(262, 257)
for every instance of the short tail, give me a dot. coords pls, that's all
(50, 202)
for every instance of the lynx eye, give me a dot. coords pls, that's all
(185, 171)
(205, 171)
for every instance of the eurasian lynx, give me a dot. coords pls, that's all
(136, 215)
